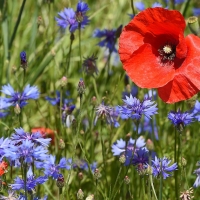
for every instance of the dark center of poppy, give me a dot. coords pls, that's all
(167, 53)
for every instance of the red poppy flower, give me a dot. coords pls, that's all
(46, 132)
(3, 167)
(155, 54)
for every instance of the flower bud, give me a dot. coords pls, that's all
(127, 180)
(60, 181)
(24, 62)
(193, 25)
(150, 145)
(90, 197)
(183, 162)
(63, 81)
(80, 175)
(97, 174)
(122, 158)
(17, 109)
(94, 101)
(61, 144)
(80, 194)
(81, 87)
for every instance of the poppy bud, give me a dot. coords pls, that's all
(193, 25)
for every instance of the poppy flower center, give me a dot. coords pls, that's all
(167, 53)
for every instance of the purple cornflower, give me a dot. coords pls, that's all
(197, 181)
(17, 98)
(89, 65)
(160, 166)
(31, 182)
(120, 148)
(51, 169)
(180, 120)
(70, 18)
(37, 138)
(110, 37)
(108, 113)
(134, 109)
(26, 151)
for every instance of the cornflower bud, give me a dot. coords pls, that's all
(122, 158)
(150, 145)
(80, 194)
(90, 197)
(61, 144)
(81, 87)
(63, 81)
(97, 174)
(80, 175)
(94, 101)
(60, 181)
(24, 62)
(17, 109)
(127, 180)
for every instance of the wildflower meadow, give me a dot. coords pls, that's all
(99, 100)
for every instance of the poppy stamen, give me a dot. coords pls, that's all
(167, 53)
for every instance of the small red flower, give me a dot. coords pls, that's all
(46, 132)
(3, 167)
(155, 54)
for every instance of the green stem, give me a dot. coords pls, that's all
(152, 186)
(79, 36)
(118, 175)
(25, 177)
(70, 49)
(17, 24)
(161, 185)
(132, 6)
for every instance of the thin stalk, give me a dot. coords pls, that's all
(161, 185)
(70, 50)
(118, 175)
(132, 7)
(152, 186)
(122, 182)
(17, 24)
(80, 53)
(25, 177)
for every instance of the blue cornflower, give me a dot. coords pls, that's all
(140, 156)
(17, 98)
(197, 181)
(196, 11)
(130, 91)
(51, 169)
(67, 116)
(134, 109)
(4, 144)
(70, 18)
(56, 100)
(82, 164)
(110, 37)
(31, 182)
(160, 166)
(180, 120)
(11, 195)
(196, 110)
(108, 113)
(26, 151)
(140, 5)
(37, 138)
(120, 148)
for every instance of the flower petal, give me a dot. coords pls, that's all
(145, 70)
(186, 82)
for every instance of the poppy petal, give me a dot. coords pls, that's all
(145, 70)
